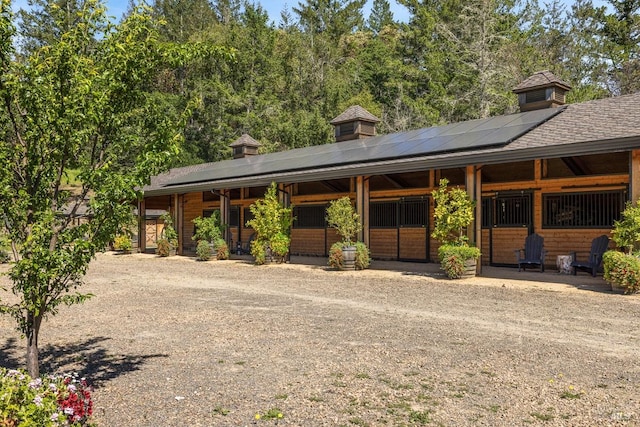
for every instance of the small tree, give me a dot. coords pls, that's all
(168, 236)
(208, 229)
(626, 231)
(80, 103)
(453, 214)
(272, 224)
(343, 217)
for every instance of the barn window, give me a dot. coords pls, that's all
(487, 212)
(414, 213)
(512, 210)
(234, 216)
(248, 216)
(309, 216)
(383, 214)
(582, 210)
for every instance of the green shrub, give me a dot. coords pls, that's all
(342, 216)
(622, 269)
(123, 242)
(258, 251)
(5, 247)
(209, 229)
(453, 258)
(222, 249)
(168, 232)
(203, 251)
(4, 256)
(336, 258)
(271, 221)
(363, 258)
(279, 245)
(452, 214)
(626, 231)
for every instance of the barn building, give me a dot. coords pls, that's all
(562, 171)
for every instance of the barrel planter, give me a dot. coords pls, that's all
(349, 254)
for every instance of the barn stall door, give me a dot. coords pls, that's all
(512, 221)
(413, 230)
(399, 229)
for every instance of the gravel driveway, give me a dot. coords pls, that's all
(175, 342)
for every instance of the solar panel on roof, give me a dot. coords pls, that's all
(469, 135)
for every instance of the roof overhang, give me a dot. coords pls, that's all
(493, 155)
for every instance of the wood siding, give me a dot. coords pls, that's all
(413, 244)
(308, 241)
(384, 243)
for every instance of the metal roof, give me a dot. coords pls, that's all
(493, 131)
(593, 127)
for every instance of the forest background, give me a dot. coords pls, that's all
(451, 60)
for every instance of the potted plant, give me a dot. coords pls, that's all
(347, 254)
(209, 230)
(221, 249)
(203, 251)
(271, 224)
(622, 266)
(453, 214)
(168, 242)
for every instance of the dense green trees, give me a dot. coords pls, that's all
(451, 60)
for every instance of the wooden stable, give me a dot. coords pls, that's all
(566, 175)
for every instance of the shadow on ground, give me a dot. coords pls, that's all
(89, 358)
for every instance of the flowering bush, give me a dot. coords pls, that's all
(454, 257)
(48, 401)
(623, 270)
(362, 257)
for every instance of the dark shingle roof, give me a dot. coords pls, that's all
(355, 112)
(541, 79)
(600, 120)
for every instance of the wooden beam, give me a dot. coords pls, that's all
(396, 182)
(362, 207)
(634, 176)
(142, 226)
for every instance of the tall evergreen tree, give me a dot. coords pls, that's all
(184, 17)
(333, 17)
(621, 33)
(380, 16)
(44, 21)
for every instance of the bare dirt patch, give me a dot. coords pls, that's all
(173, 342)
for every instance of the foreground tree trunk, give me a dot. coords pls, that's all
(33, 361)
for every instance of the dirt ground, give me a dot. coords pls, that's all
(176, 342)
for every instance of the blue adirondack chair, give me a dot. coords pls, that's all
(599, 246)
(533, 253)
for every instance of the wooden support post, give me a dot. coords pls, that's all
(474, 190)
(177, 220)
(142, 226)
(362, 207)
(634, 176)
(225, 215)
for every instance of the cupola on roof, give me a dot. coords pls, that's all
(354, 123)
(244, 146)
(541, 90)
